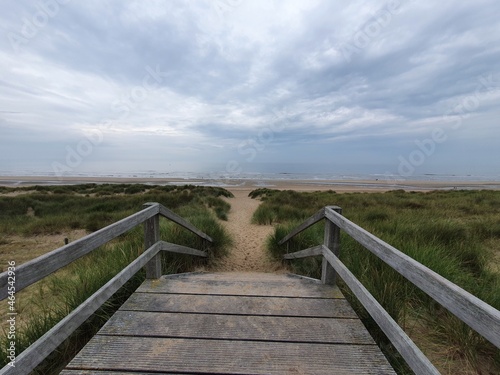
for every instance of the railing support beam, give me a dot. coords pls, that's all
(332, 242)
(152, 236)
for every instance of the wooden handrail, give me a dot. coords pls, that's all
(413, 356)
(165, 212)
(40, 349)
(311, 252)
(179, 249)
(318, 216)
(476, 313)
(44, 265)
(38, 268)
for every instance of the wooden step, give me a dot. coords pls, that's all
(228, 357)
(240, 305)
(258, 284)
(236, 327)
(230, 323)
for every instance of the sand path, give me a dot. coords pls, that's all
(248, 252)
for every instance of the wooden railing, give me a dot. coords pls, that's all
(38, 268)
(480, 316)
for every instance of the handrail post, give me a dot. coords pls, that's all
(331, 241)
(152, 236)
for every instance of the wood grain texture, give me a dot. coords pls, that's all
(36, 269)
(258, 284)
(99, 372)
(236, 327)
(38, 351)
(172, 332)
(179, 249)
(240, 276)
(142, 354)
(331, 241)
(239, 305)
(417, 361)
(318, 216)
(311, 252)
(152, 236)
(46, 264)
(165, 212)
(476, 313)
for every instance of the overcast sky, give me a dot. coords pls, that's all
(235, 86)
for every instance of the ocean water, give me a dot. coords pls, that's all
(260, 179)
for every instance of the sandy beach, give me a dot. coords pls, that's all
(340, 186)
(248, 251)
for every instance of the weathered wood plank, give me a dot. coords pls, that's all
(482, 317)
(99, 372)
(165, 212)
(36, 269)
(332, 242)
(311, 252)
(152, 236)
(239, 305)
(237, 327)
(257, 285)
(417, 361)
(173, 248)
(318, 216)
(38, 351)
(227, 334)
(240, 276)
(228, 357)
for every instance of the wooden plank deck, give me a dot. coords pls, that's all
(232, 323)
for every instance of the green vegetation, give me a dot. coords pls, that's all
(92, 206)
(455, 233)
(47, 210)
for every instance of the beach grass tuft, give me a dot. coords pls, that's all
(44, 210)
(454, 233)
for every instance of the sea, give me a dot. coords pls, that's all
(257, 179)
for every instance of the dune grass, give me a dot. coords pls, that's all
(455, 233)
(92, 207)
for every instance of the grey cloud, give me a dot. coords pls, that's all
(224, 77)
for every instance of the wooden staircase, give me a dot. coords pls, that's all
(233, 323)
(239, 323)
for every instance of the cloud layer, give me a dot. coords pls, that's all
(231, 85)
